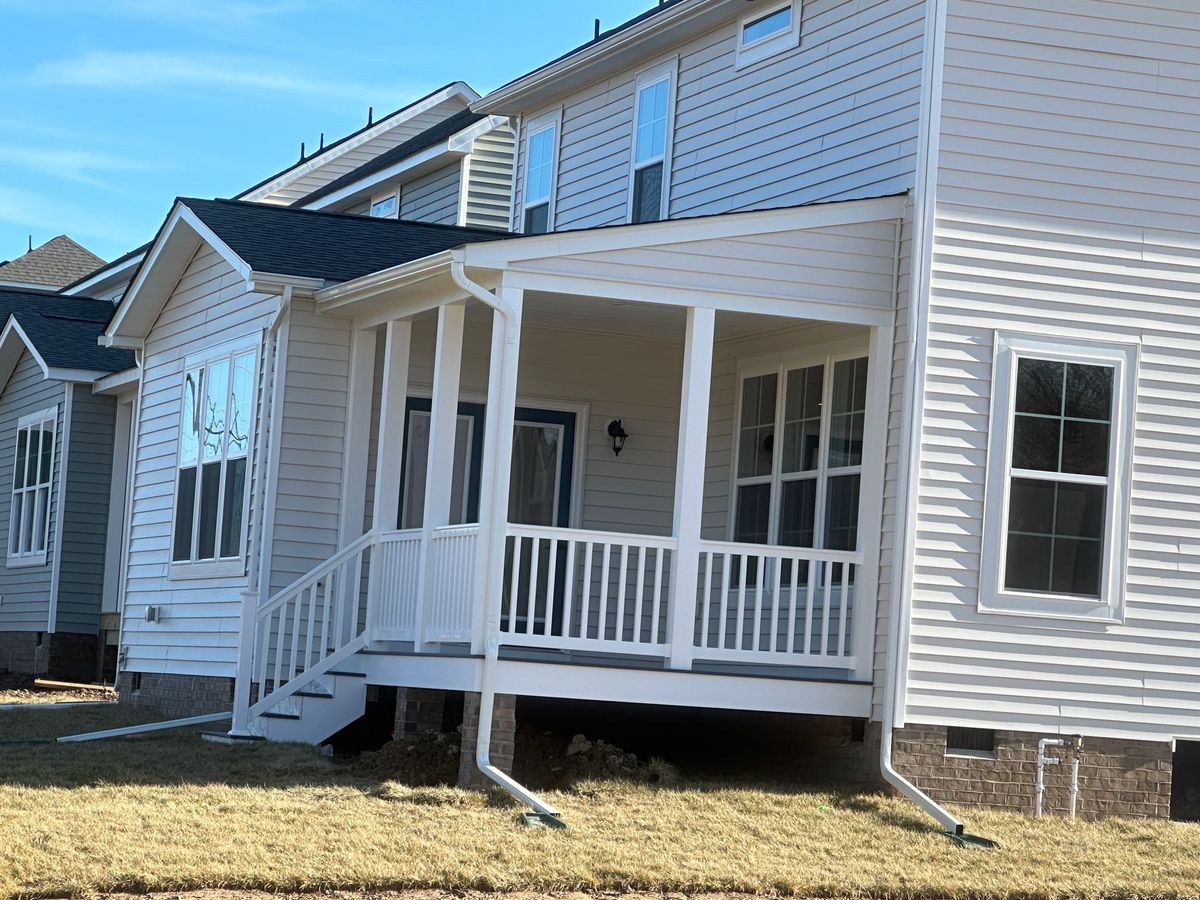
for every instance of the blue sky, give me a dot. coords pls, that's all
(111, 108)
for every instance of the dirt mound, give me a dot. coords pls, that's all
(544, 761)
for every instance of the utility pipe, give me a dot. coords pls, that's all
(1042, 761)
(489, 504)
(1077, 746)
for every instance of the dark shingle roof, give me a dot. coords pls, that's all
(660, 8)
(55, 263)
(65, 329)
(431, 137)
(331, 246)
(343, 140)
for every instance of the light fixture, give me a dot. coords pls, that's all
(618, 435)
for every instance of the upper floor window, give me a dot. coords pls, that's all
(217, 420)
(33, 466)
(767, 30)
(653, 113)
(541, 150)
(1058, 461)
(386, 207)
(799, 462)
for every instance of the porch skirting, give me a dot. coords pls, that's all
(1131, 779)
(176, 696)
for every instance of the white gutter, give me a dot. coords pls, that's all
(911, 427)
(491, 640)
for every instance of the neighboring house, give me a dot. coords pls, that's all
(841, 369)
(56, 263)
(61, 449)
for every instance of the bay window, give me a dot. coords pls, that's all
(216, 428)
(653, 112)
(33, 466)
(1054, 533)
(799, 454)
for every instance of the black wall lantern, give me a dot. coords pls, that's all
(618, 435)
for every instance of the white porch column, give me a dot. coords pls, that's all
(443, 427)
(497, 464)
(358, 435)
(870, 513)
(689, 482)
(397, 351)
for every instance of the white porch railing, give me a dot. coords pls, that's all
(395, 585)
(452, 607)
(311, 625)
(586, 590)
(777, 605)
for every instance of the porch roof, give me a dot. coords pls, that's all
(832, 261)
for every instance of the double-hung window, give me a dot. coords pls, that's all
(769, 28)
(541, 152)
(1054, 531)
(799, 462)
(33, 467)
(652, 129)
(216, 433)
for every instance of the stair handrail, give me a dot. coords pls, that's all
(370, 539)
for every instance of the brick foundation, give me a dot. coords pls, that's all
(176, 696)
(1116, 778)
(504, 734)
(830, 749)
(418, 710)
(68, 657)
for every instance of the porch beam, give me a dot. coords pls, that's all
(397, 353)
(443, 427)
(501, 412)
(879, 386)
(793, 307)
(689, 481)
(358, 435)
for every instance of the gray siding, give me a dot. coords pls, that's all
(25, 591)
(833, 119)
(1069, 204)
(85, 514)
(489, 181)
(433, 197)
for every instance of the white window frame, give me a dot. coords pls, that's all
(383, 198)
(993, 596)
(536, 126)
(667, 71)
(27, 423)
(222, 567)
(773, 44)
(828, 357)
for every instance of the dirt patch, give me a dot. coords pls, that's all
(544, 761)
(20, 689)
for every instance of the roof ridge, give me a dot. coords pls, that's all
(339, 215)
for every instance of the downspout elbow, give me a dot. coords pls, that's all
(458, 273)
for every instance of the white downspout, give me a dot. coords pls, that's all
(491, 636)
(923, 215)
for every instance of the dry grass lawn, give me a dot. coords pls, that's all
(169, 813)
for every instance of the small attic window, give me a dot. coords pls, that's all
(385, 207)
(768, 30)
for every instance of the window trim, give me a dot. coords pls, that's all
(225, 567)
(994, 598)
(39, 557)
(772, 44)
(376, 199)
(667, 70)
(537, 125)
(827, 355)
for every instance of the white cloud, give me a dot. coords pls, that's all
(34, 211)
(80, 166)
(149, 70)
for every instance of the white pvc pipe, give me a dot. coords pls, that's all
(1042, 761)
(144, 729)
(491, 637)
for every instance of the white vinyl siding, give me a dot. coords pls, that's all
(1068, 209)
(835, 118)
(489, 181)
(198, 632)
(433, 197)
